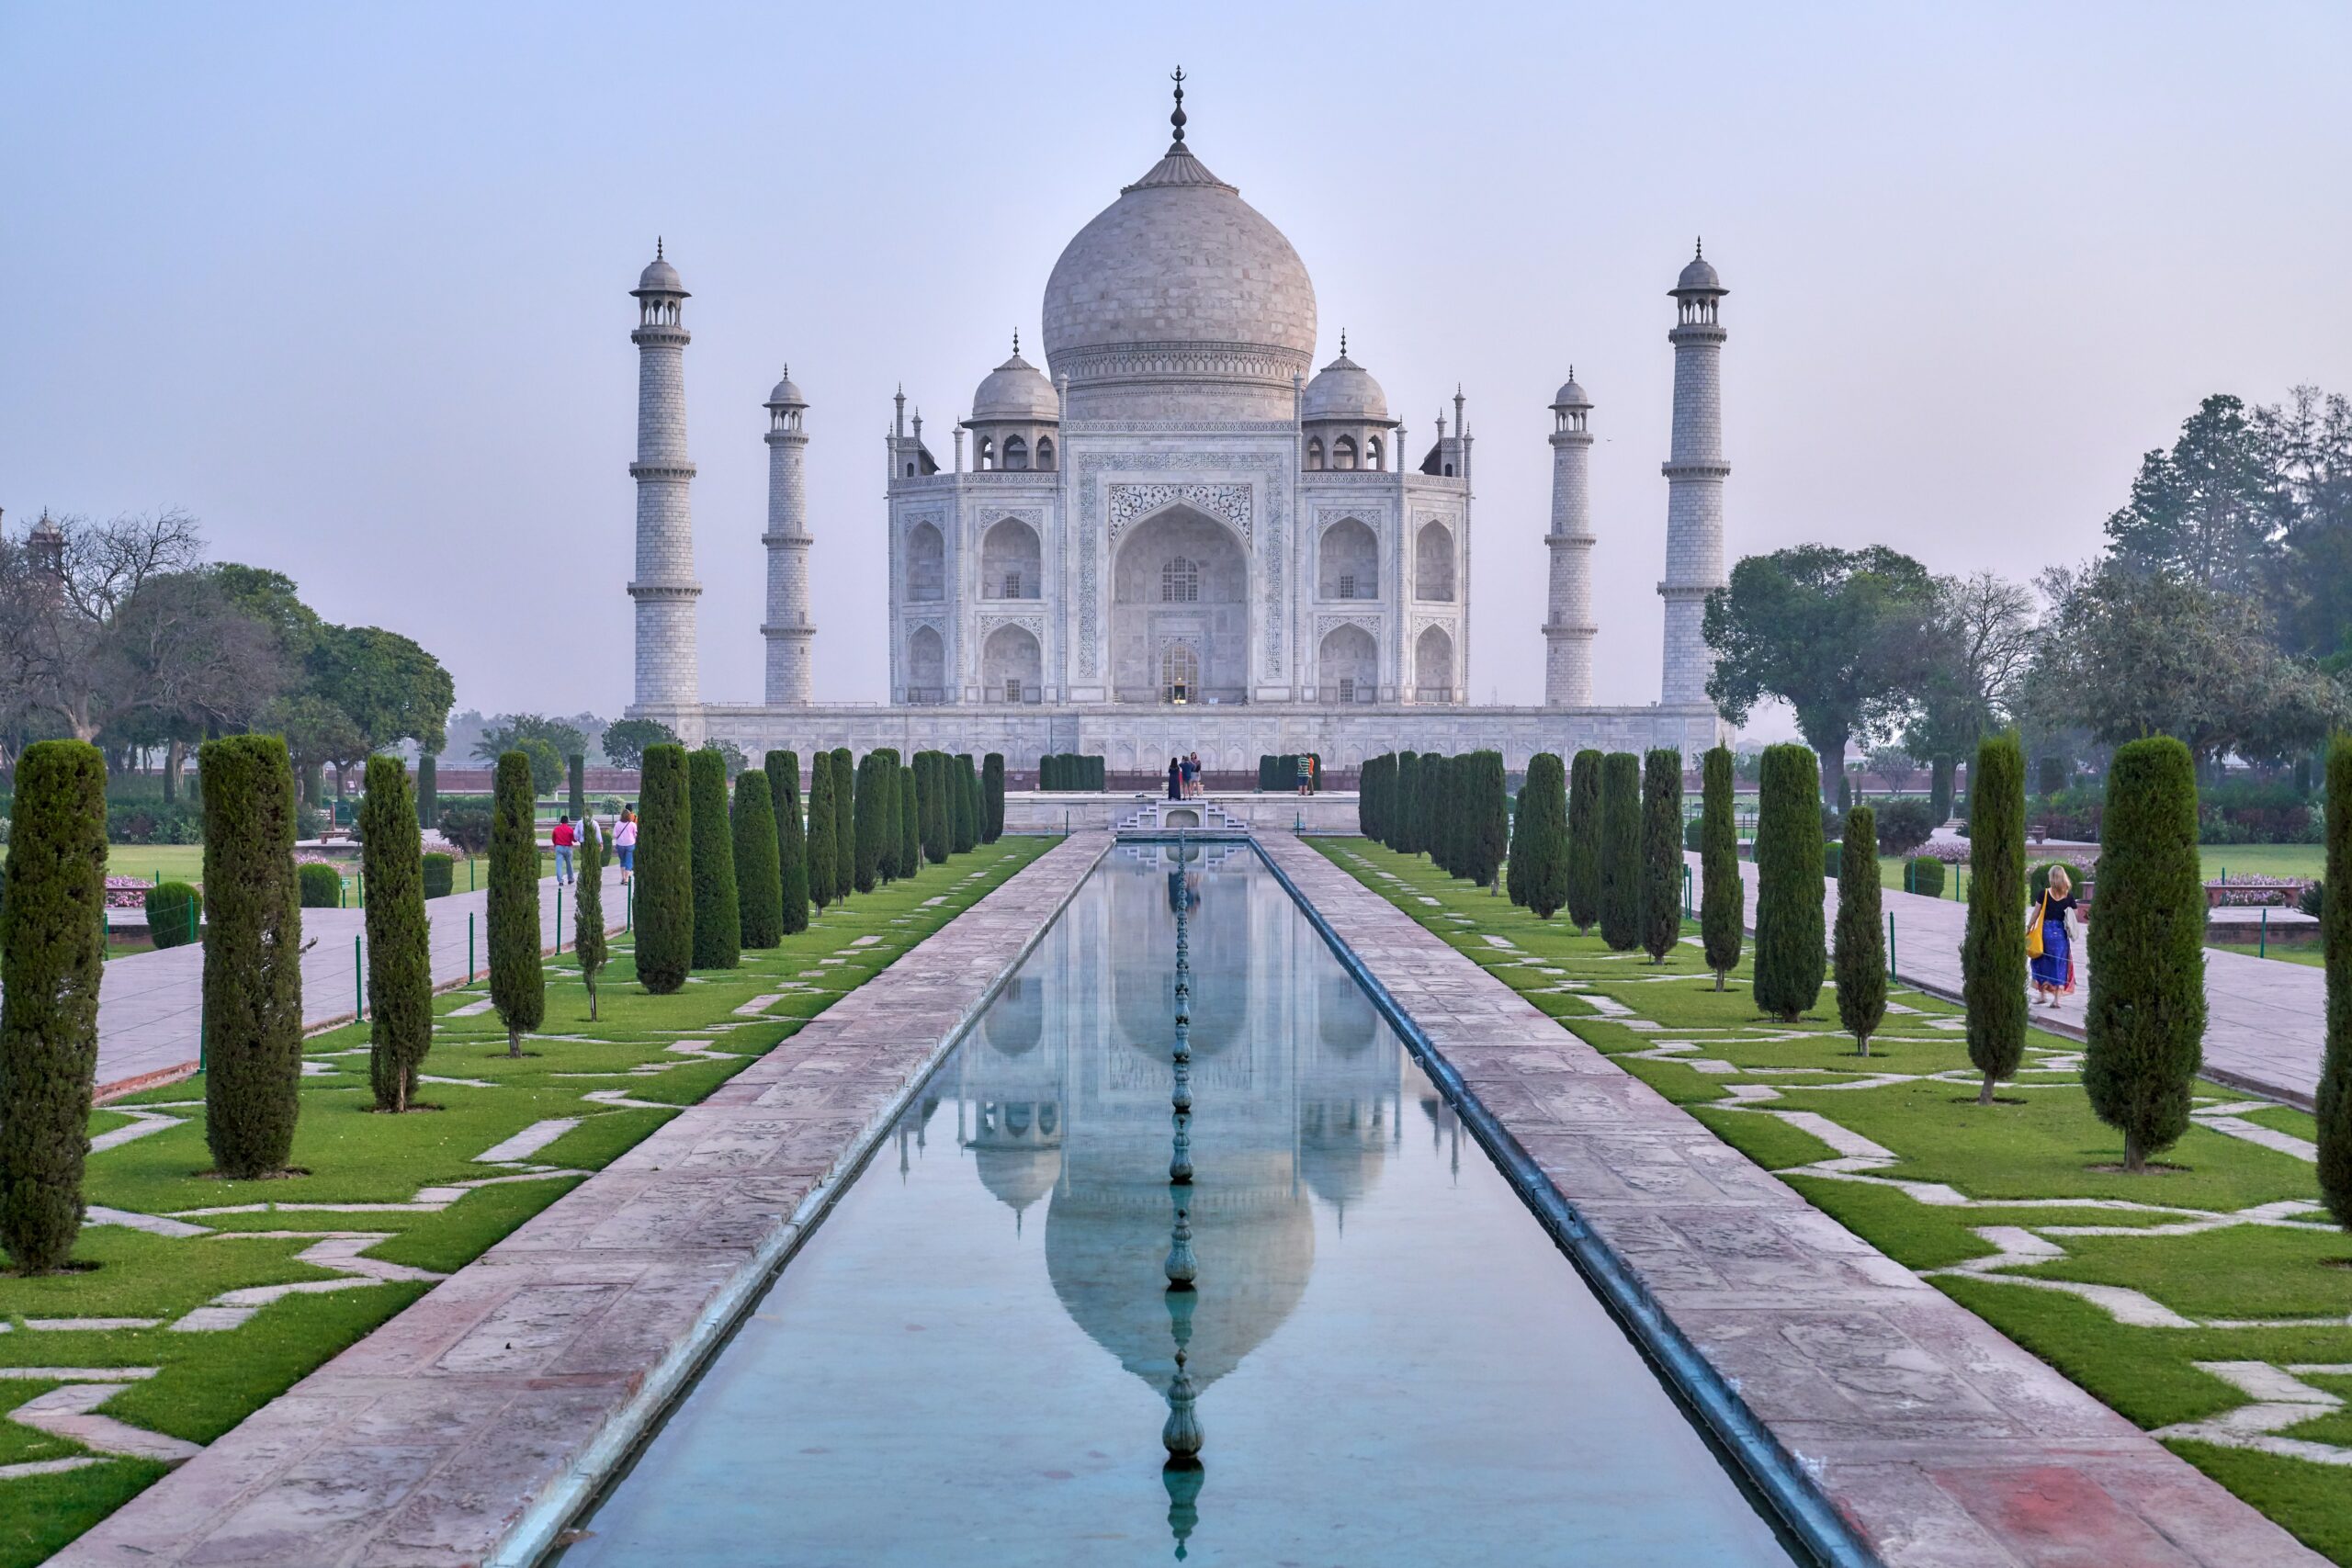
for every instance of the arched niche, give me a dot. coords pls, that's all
(1433, 665)
(1012, 665)
(1347, 561)
(926, 666)
(1347, 666)
(1011, 561)
(926, 563)
(1433, 563)
(1180, 596)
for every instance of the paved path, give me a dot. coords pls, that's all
(2265, 1020)
(473, 1425)
(150, 1004)
(1939, 1442)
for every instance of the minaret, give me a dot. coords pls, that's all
(668, 672)
(1568, 625)
(788, 628)
(1694, 485)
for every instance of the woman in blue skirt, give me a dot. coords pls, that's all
(2053, 971)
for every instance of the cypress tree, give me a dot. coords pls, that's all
(588, 941)
(1722, 900)
(1791, 954)
(1661, 852)
(1406, 794)
(1584, 841)
(844, 824)
(400, 958)
(428, 790)
(2334, 1101)
(909, 822)
(791, 841)
(1542, 839)
(866, 862)
(1620, 851)
(958, 806)
(518, 984)
(253, 965)
(1369, 783)
(718, 915)
(2145, 1022)
(886, 779)
(758, 877)
(992, 788)
(1862, 939)
(52, 951)
(1992, 954)
(968, 797)
(576, 774)
(821, 856)
(930, 784)
(1490, 815)
(1514, 868)
(1430, 804)
(666, 881)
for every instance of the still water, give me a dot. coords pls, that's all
(971, 1361)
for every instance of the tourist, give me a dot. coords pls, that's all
(1192, 774)
(1305, 773)
(625, 841)
(1175, 780)
(2054, 965)
(563, 838)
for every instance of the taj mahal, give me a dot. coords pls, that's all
(1179, 535)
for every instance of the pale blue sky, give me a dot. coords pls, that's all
(351, 284)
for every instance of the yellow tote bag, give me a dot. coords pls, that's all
(2033, 932)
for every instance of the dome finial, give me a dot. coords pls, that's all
(1016, 342)
(1177, 120)
(657, 247)
(1343, 342)
(1698, 250)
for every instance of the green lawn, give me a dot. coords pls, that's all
(2228, 1247)
(206, 1382)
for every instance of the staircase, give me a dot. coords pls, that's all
(1159, 819)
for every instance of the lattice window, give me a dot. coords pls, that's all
(1013, 688)
(1347, 585)
(1180, 582)
(1347, 686)
(1180, 673)
(1012, 585)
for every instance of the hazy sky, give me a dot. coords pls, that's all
(351, 284)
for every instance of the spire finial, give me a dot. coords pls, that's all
(1698, 250)
(1016, 342)
(1177, 120)
(1343, 342)
(657, 247)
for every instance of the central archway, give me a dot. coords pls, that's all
(1180, 603)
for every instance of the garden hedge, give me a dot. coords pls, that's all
(320, 885)
(1992, 954)
(791, 841)
(518, 986)
(1791, 952)
(1583, 839)
(2038, 881)
(1722, 897)
(718, 915)
(1543, 835)
(1372, 781)
(1860, 939)
(1620, 851)
(992, 792)
(52, 954)
(174, 912)
(759, 876)
(399, 956)
(1661, 897)
(1902, 826)
(664, 916)
(439, 873)
(2145, 1022)
(253, 956)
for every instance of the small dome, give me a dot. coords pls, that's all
(660, 277)
(1571, 395)
(1699, 278)
(1016, 389)
(786, 395)
(1344, 389)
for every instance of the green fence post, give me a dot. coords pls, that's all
(359, 983)
(1890, 947)
(470, 949)
(628, 916)
(2262, 949)
(559, 925)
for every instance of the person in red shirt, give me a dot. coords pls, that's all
(564, 836)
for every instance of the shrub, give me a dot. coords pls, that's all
(1583, 839)
(1791, 954)
(1405, 800)
(1428, 803)
(588, 940)
(1862, 940)
(2050, 774)
(992, 789)
(1992, 954)
(665, 910)
(1833, 858)
(1722, 897)
(322, 887)
(823, 851)
(1543, 837)
(909, 822)
(2335, 1100)
(1904, 824)
(1939, 790)
(1620, 851)
(759, 878)
(718, 919)
(428, 793)
(1925, 877)
(174, 910)
(1694, 834)
(52, 954)
(154, 822)
(2145, 1022)
(2038, 881)
(962, 831)
(576, 777)
(1372, 781)
(468, 828)
(253, 963)
(783, 769)
(1661, 852)
(931, 793)
(400, 957)
(440, 875)
(1485, 816)
(865, 851)
(2313, 899)
(844, 824)
(517, 982)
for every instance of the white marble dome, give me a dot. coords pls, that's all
(785, 395)
(1180, 262)
(659, 277)
(1016, 389)
(1344, 389)
(1699, 278)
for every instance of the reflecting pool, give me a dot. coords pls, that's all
(975, 1359)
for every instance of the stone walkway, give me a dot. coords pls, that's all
(1940, 1442)
(2265, 1020)
(477, 1421)
(150, 1004)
